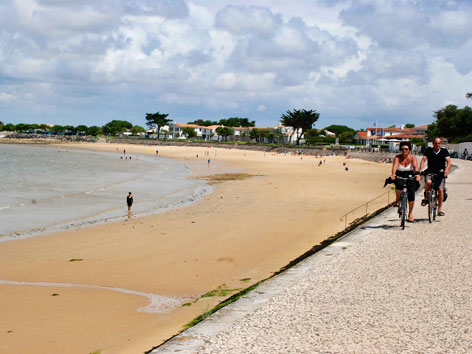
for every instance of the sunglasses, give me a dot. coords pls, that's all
(404, 149)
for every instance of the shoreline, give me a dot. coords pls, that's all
(241, 233)
(177, 198)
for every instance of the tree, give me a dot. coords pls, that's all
(1, 125)
(468, 95)
(347, 136)
(204, 123)
(157, 120)
(409, 125)
(189, 132)
(313, 137)
(261, 135)
(300, 121)
(225, 132)
(56, 129)
(451, 122)
(70, 129)
(237, 122)
(418, 141)
(9, 127)
(24, 127)
(339, 129)
(94, 130)
(116, 127)
(81, 129)
(137, 129)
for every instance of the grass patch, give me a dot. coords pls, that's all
(98, 351)
(55, 294)
(9, 331)
(220, 291)
(245, 280)
(219, 306)
(76, 260)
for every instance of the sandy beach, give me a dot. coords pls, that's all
(88, 290)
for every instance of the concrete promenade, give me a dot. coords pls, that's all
(377, 290)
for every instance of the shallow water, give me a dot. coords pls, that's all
(48, 188)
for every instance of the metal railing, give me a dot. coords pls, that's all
(366, 205)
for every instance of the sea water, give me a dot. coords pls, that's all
(46, 188)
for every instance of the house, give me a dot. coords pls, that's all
(206, 133)
(391, 136)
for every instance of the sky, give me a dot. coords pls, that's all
(88, 62)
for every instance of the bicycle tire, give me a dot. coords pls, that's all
(404, 205)
(430, 206)
(435, 205)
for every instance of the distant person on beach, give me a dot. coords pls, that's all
(404, 165)
(157, 152)
(439, 162)
(129, 201)
(124, 151)
(465, 154)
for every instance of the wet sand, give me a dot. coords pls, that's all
(268, 210)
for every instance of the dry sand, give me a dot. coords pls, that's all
(256, 221)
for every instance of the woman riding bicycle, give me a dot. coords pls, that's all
(404, 165)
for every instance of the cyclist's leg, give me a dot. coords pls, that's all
(411, 205)
(411, 200)
(427, 187)
(440, 196)
(398, 193)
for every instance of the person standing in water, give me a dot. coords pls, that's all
(129, 201)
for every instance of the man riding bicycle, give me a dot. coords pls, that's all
(438, 161)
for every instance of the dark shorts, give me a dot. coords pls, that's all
(410, 184)
(439, 179)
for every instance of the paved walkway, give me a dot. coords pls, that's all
(377, 290)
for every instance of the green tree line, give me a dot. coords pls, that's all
(111, 128)
(228, 122)
(452, 123)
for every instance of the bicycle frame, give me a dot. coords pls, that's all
(403, 206)
(433, 198)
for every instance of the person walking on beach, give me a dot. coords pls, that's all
(439, 162)
(404, 165)
(129, 201)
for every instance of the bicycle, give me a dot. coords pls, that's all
(433, 197)
(403, 206)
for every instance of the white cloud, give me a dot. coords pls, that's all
(343, 58)
(5, 97)
(247, 20)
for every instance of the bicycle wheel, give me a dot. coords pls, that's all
(435, 204)
(430, 206)
(404, 206)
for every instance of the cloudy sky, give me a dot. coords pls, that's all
(355, 62)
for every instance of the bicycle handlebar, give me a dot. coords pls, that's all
(406, 178)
